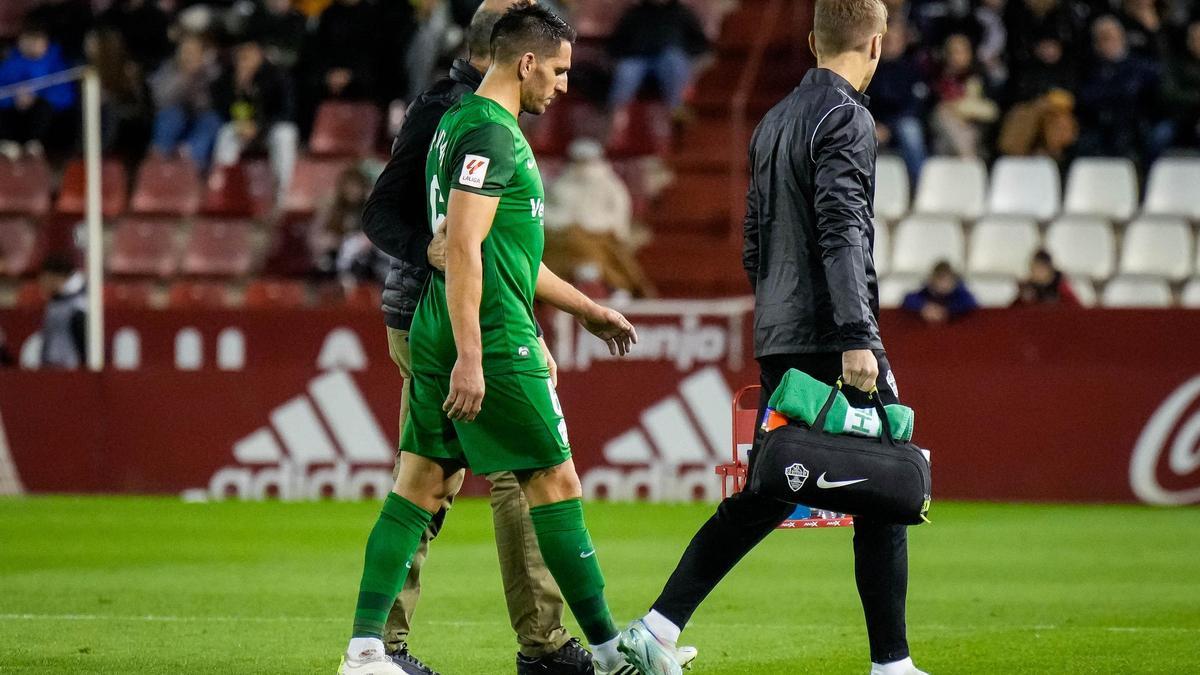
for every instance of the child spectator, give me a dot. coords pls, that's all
(186, 121)
(1046, 285)
(943, 297)
(963, 111)
(35, 118)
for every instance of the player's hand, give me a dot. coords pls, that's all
(466, 390)
(860, 369)
(549, 362)
(437, 248)
(609, 325)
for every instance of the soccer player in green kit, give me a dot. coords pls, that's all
(481, 391)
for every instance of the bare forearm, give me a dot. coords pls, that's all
(464, 288)
(558, 293)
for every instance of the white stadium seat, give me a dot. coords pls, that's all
(1137, 292)
(893, 288)
(1025, 186)
(1002, 245)
(882, 255)
(1085, 291)
(921, 241)
(990, 291)
(1157, 247)
(1174, 188)
(1191, 294)
(1102, 187)
(891, 188)
(1082, 246)
(950, 186)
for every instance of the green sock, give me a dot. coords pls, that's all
(571, 557)
(390, 549)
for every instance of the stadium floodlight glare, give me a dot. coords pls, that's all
(93, 218)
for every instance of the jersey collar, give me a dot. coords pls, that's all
(828, 78)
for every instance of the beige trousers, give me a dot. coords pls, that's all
(535, 605)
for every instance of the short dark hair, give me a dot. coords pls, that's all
(479, 33)
(527, 27)
(845, 25)
(59, 264)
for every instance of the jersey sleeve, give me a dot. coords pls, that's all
(483, 161)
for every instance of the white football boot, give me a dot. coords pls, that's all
(901, 667)
(646, 653)
(685, 655)
(369, 662)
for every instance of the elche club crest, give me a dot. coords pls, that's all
(796, 475)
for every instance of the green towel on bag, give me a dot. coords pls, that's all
(800, 397)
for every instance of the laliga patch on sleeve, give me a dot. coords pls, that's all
(474, 171)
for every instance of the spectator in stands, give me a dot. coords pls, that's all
(338, 244)
(433, 20)
(660, 37)
(254, 97)
(280, 28)
(342, 51)
(898, 99)
(943, 297)
(1181, 93)
(66, 21)
(1042, 118)
(1144, 32)
(145, 29)
(588, 220)
(1116, 96)
(1031, 22)
(993, 41)
(35, 118)
(64, 326)
(1046, 285)
(186, 121)
(963, 111)
(124, 102)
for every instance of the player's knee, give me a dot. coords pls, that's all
(555, 484)
(424, 482)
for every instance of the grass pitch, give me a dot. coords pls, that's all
(108, 585)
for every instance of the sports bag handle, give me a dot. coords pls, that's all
(818, 426)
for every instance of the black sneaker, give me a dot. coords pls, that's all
(410, 664)
(570, 659)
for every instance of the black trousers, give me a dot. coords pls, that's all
(743, 520)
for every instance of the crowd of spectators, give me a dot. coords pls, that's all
(1060, 78)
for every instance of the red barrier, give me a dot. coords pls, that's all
(1015, 405)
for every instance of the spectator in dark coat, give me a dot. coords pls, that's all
(899, 96)
(1144, 31)
(125, 110)
(1030, 22)
(660, 37)
(32, 118)
(144, 26)
(1181, 93)
(943, 297)
(281, 30)
(255, 98)
(66, 21)
(343, 50)
(1046, 285)
(1116, 97)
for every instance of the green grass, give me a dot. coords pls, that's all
(109, 585)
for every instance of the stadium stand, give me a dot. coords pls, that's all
(1082, 246)
(345, 129)
(952, 186)
(166, 186)
(243, 190)
(882, 255)
(1002, 246)
(1136, 292)
(1025, 186)
(18, 247)
(24, 186)
(891, 188)
(1171, 189)
(143, 247)
(1104, 187)
(921, 241)
(72, 195)
(1157, 247)
(993, 291)
(219, 248)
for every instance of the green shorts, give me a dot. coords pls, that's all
(520, 425)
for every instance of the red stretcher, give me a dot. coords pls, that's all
(733, 474)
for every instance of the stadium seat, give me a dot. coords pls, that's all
(646, 130)
(245, 190)
(1157, 247)
(18, 247)
(921, 241)
(24, 186)
(345, 129)
(276, 293)
(1190, 297)
(219, 248)
(1082, 246)
(312, 183)
(114, 189)
(1084, 289)
(1106, 187)
(143, 247)
(1123, 292)
(185, 294)
(894, 287)
(166, 186)
(1002, 245)
(1172, 188)
(891, 188)
(992, 291)
(951, 186)
(130, 294)
(288, 254)
(882, 254)
(1025, 186)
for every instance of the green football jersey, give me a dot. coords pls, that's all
(479, 148)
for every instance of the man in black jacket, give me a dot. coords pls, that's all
(808, 243)
(396, 220)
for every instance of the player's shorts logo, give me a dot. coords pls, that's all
(796, 475)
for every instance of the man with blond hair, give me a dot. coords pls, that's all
(808, 253)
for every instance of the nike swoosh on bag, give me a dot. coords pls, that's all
(826, 484)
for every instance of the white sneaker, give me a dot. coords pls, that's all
(902, 667)
(371, 662)
(646, 653)
(685, 655)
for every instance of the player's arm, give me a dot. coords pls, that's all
(605, 323)
(842, 150)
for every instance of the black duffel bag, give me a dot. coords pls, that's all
(875, 478)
